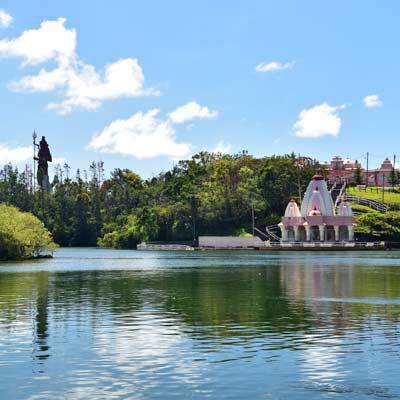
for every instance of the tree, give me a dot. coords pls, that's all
(22, 235)
(372, 223)
(358, 179)
(393, 178)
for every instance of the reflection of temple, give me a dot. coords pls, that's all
(317, 220)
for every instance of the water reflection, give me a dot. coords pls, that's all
(40, 335)
(224, 328)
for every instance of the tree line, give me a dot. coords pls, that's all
(209, 194)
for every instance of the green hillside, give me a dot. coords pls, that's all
(390, 197)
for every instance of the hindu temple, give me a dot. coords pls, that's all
(317, 220)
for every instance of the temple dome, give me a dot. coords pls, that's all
(318, 198)
(292, 209)
(345, 209)
(317, 177)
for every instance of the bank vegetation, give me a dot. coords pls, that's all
(22, 235)
(209, 194)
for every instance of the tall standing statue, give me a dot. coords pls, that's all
(43, 157)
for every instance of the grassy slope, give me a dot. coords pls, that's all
(360, 207)
(390, 198)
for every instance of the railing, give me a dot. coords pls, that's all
(270, 232)
(262, 234)
(339, 197)
(358, 213)
(332, 188)
(327, 244)
(374, 204)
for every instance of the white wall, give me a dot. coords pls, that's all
(226, 242)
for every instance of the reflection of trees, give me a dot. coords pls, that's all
(209, 298)
(245, 301)
(27, 301)
(219, 301)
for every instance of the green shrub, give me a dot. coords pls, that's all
(387, 225)
(22, 235)
(361, 208)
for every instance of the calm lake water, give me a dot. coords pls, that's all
(107, 324)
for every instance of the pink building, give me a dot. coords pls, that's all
(381, 176)
(317, 220)
(343, 170)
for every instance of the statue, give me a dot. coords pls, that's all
(43, 157)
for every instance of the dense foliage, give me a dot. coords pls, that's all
(385, 226)
(208, 194)
(22, 235)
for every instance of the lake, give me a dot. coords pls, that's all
(108, 324)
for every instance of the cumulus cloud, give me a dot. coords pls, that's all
(15, 155)
(274, 66)
(145, 135)
(190, 111)
(52, 41)
(317, 121)
(78, 83)
(372, 101)
(222, 148)
(5, 19)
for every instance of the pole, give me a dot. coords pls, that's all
(394, 171)
(366, 181)
(34, 136)
(383, 188)
(252, 216)
(298, 177)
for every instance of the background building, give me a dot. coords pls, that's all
(343, 171)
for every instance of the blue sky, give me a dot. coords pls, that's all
(141, 84)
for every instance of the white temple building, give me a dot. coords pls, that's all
(317, 220)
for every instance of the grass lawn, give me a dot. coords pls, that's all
(360, 208)
(375, 193)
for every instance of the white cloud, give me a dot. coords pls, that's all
(58, 160)
(372, 101)
(189, 112)
(5, 19)
(15, 155)
(85, 88)
(274, 66)
(52, 41)
(317, 121)
(78, 83)
(222, 148)
(143, 136)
